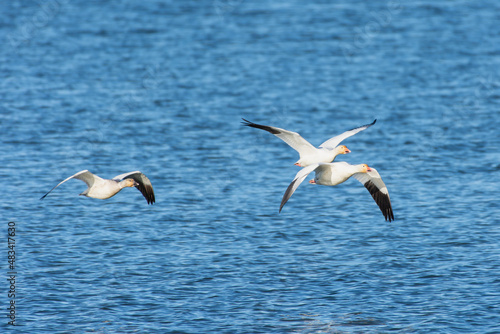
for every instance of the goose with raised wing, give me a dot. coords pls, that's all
(309, 154)
(104, 188)
(332, 174)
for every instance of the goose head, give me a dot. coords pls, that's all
(342, 149)
(129, 183)
(364, 168)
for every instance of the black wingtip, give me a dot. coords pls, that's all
(148, 194)
(390, 215)
(282, 204)
(383, 201)
(363, 127)
(246, 122)
(269, 129)
(287, 195)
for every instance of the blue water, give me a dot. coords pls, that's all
(161, 87)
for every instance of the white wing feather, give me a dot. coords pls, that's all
(293, 139)
(335, 141)
(83, 175)
(299, 178)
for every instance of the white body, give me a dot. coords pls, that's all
(335, 173)
(319, 155)
(104, 189)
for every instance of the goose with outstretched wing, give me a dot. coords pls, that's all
(332, 174)
(309, 154)
(100, 188)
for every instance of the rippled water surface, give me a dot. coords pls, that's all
(161, 87)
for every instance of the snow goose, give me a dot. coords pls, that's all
(331, 174)
(309, 154)
(103, 188)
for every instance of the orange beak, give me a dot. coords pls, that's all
(297, 164)
(347, 150)
(312, 181)
(368, 169)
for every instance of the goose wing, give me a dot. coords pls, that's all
(83, 175)
(301, 175)
(144, 184)
(335, 141)
(293, 139)
(373, 182)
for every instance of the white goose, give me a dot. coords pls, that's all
(103, 188)
(331, 174)
(309, 154)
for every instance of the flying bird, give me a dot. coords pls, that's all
(309, 154)
(331, 174)
(104, 188)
